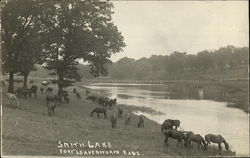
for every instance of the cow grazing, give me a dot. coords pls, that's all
(106, 102)
(128, 118)
(41, 89)
(12, 97)
(141, 122)
(92, 98)
(112, 102)
(103, 101)
(99, 110)
(74, 90)
(33, 90)
(175, 135)
(78, 96)
(49, 98)
(113, 121)
(197, 139)
(218, 139)
(49, 90)
(87, 92)
(65, 96)
(23, 92)
(51, 108)
(120, 111)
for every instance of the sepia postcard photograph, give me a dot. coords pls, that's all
(124, 78)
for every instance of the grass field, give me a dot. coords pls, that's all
(30, 131)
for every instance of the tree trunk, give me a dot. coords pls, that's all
(25, 79)
(11, 82)
(60, 87)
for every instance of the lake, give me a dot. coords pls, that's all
(197, 110)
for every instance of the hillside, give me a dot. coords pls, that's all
(29, 131)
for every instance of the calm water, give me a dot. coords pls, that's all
(189, 105)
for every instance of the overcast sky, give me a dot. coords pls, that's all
(161, 27)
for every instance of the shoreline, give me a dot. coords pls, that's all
(237, 93)
(72, 122)
(151, 111)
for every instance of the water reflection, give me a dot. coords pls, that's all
(197, 108)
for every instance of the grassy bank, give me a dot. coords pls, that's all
(29, 131)
(236, 93)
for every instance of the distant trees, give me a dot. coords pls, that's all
(123, 69)
(178, 64)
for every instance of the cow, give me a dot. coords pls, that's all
(12, 97)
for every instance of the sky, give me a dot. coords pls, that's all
(162, 27)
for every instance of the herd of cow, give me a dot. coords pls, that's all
(169, 128)
(106, 104)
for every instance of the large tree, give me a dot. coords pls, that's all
(78, 30)
(21, 30)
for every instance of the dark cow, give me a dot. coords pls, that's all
(103, 101)
(32, 81)
(112, 102)
(87, 92)
(120, 111)
(49, 98)
(169, 124)
(78, 96)
(23, 92)
(34, 90)
(99, 110)
(65, 96)
(49, 90)
(141, 122)
(74, 90)
(56, 98)
(175, 135)
(199, 140)
(92, 98)
(41, 89)
(113, 121)
(106, 102)
(128, 118)
(51, 108)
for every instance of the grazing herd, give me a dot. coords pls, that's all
(188, 137)
(106, 104)
(24, 92)
(169, 127)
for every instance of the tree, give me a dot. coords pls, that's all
(204, 60)
(20, 31)
(123, 69)
(176, 62)
(222, 57)
(142, 68)
(79, 30)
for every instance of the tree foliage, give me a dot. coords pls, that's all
(21, 35)
(59, 34)
(79, 30)
(177, 63)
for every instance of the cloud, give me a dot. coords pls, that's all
(161, 27)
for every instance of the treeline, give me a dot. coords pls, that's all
(180, 65)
